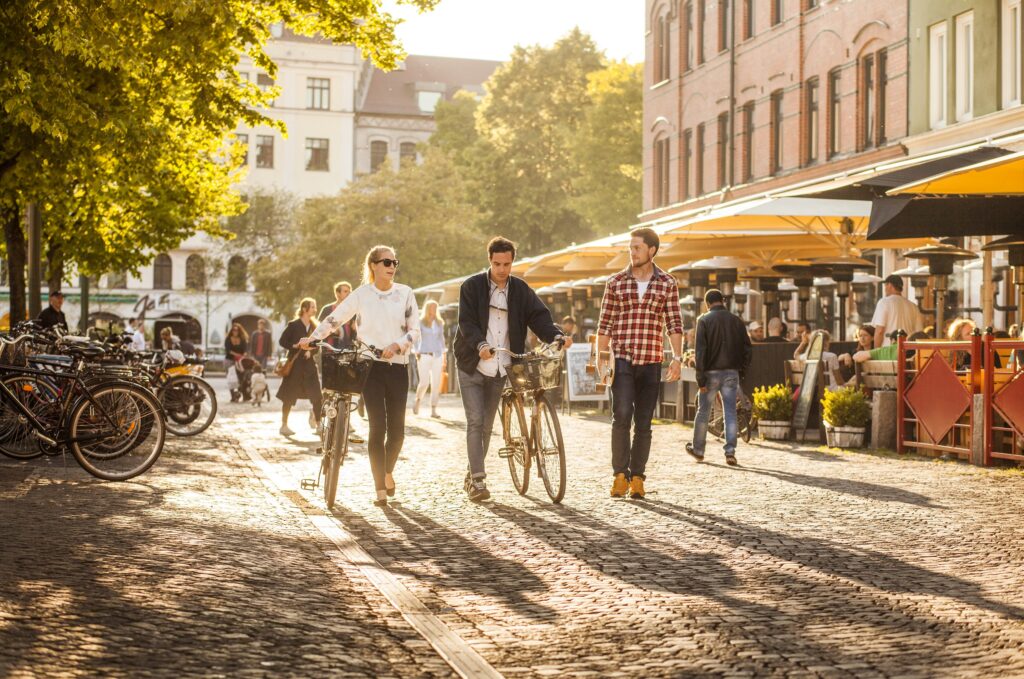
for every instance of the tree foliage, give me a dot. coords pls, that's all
(420, 210)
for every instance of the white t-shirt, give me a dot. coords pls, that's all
(896, 312)
(386, 318)
(138, 341)
(641, 288)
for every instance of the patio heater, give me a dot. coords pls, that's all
(768, 283)
(803, 279)
(862, 283)
(841, 270)
(940, 260)
(726, 273)
(740, 295)
(1014, 246)
(698, 280)
(786, 291)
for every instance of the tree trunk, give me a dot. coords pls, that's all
(54, 266)
(17, 257)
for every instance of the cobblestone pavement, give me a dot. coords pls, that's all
(797, 563)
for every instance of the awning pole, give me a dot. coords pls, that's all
(987, 296)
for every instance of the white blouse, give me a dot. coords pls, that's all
(385, 318)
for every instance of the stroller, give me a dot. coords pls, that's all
(243, 390)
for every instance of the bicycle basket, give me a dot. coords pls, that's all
(531, 374)
(346, 372)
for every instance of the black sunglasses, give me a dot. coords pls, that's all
(388, 262)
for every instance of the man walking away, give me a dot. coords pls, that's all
(894, 312)
(261, 344)
(722, 357)
(495, 311)
(52, 316)
(640, 304)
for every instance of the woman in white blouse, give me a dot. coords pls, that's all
(389, 320)
(430, 357)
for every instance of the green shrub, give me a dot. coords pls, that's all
(773, 403)
(846, 407)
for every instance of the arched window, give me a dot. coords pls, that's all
(378, 154)
(195, 272)
(407, 151)
(237, 273)
(162, 272)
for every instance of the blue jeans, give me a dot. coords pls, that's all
(727, 382)
(480, 397)
(634, 396)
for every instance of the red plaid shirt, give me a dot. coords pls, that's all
(636, 326)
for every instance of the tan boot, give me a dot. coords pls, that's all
(620, 486)
(636, 487)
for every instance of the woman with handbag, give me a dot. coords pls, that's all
(389, 321)
(300, 378)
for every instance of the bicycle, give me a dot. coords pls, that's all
(114, 428)
(344, 375)
(532, 374)
(745, 420)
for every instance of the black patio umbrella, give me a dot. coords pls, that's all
(940, 217)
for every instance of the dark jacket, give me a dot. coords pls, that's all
(525, 310)
(722, 343)
(302, 382)
(50, 317)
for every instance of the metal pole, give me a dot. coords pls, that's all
(987, 296)
(83, 285)
(35, 273)
(842, 318)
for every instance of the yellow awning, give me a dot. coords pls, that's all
(997, 177)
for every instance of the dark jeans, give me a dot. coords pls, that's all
(480, 397)
(385, 395)
(634, 396)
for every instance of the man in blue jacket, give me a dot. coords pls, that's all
(495, 311)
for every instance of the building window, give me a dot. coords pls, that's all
(723, 150)
(812, 117)
(238, 273)
(701, 15)
(427, 101)
(662, 49)
(776, 11)
(378, 154)
(661, 172)
(698, 162)
(938, 82)
(748, 19)
(318, 93)
(748, 141)
(265, 82)
(195, 272)
(162, 269)
(964, 83)
(810, 4)
(1011, 53)
(687, 164)
(835, 112)
(776, 128)
(723, 25)
(882, 57)
(407, 152)
(317, 154)
(265, 150)
(690, 39)
(243, 140)
(867, 101)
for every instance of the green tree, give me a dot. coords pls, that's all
(608, 149)
(420, 210)
(113, 114)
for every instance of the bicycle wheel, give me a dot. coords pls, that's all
(338, 449)
(517, 446)
(189, 403)
(549, 448)
(118, 433)
(17, 437)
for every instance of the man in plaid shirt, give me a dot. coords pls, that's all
(640, 304)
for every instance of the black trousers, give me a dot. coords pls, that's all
(385, 394)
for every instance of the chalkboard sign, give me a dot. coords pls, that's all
(582, 384)
(809, 385)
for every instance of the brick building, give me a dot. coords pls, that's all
(745, 96)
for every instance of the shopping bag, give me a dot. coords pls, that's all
(232, 378)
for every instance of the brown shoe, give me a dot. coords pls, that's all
(620, 486)
(636, 488)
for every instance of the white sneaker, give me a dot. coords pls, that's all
(285, 431)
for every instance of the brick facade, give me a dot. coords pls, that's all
(864, 42)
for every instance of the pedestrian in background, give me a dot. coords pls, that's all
(569, 327)
(894, 312)
(261, 344)
(52, 316)
(640, 305)
(431, 357)
(722, 357)
(139, 335)
(776, 330)
(236, 345)
(302, 381)
(343, 337)
(389, 318)
(756, 332)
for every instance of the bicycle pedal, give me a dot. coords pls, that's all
(308, 484)
(505, 452)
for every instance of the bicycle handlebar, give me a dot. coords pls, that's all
(360, 347)
(543, 349)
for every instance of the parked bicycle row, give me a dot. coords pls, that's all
(106, 404)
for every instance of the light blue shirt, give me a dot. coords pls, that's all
(431, 339)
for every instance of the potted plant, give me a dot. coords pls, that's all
(846, 414)
(773, 408)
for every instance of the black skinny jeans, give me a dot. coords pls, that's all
(385, 396)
